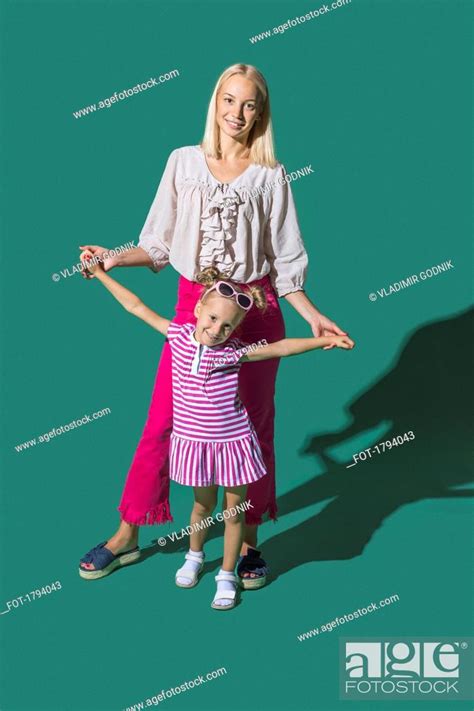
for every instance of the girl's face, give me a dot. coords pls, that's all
(217, 317)
(237, 107)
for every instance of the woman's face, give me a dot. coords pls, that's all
(237, 107)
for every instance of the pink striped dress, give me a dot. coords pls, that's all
(213, 441)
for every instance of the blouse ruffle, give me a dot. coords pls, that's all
(218, 225)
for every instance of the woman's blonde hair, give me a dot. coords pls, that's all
(260, 138)
(210, 275)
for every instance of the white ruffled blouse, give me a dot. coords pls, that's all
(247, 228)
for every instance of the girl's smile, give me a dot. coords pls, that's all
(205, 335)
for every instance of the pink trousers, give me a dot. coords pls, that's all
(145, 498)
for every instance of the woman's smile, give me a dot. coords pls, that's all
(235, 124)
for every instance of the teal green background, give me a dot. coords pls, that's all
(376, 97)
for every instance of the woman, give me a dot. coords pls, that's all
(211, 208)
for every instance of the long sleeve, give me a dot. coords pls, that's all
(283, 244)
(157, 233)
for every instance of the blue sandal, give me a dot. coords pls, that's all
(252, 563)
(104, 561)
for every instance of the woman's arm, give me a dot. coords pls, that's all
(320, 324)
(285, 250)
(135, 257)
(282, 242)
(131, 302)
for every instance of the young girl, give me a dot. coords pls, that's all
(213, 442)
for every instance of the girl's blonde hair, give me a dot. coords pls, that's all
(210, 275)
(260, 138)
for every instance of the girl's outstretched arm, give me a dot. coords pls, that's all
(131, 302)
(295, 346)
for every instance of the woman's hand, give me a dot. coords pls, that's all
(322, 326)
(100, 252)
(90, 268)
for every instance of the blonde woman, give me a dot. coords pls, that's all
(222, 203)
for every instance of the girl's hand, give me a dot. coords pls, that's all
(106, 262)
(339, 342)
(322, 326)
(89, 267)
